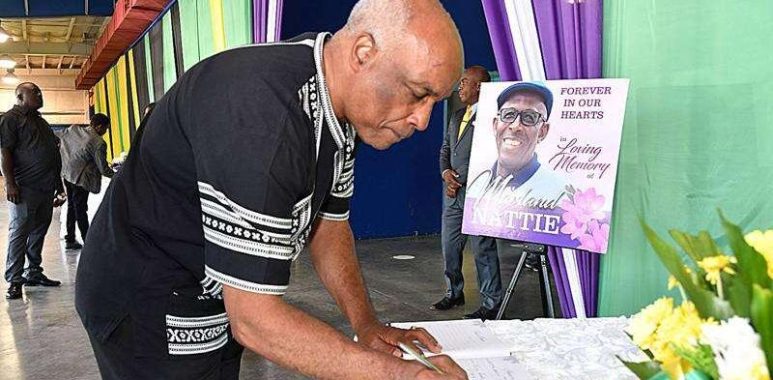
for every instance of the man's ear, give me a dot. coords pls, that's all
(543, 131)
(364, 51)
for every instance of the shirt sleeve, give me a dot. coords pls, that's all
(336, 206)
(100, 158)
(8, 132)
(254, 192)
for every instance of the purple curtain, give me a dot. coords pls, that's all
(260, 11)
(501, 40)
(570, 34)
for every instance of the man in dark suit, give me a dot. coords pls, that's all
(454, 163)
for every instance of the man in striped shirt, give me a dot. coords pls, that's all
(245, 161)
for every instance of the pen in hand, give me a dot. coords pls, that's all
(419, 357)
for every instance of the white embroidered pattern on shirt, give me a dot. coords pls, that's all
(196, 335)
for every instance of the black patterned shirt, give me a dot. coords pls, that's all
(234, 165)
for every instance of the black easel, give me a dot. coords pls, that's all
(547, 297)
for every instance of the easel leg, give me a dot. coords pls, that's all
(511, 287)
(546, 284)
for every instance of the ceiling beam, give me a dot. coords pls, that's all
(26, 8)
(73, 61)
(59, 66)
(24, 29)
(69, 29)
(50, 48)
(27, 59)
(44, 61)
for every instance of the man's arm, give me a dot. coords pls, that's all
(334, 258)
(8, 140)
(446, 171)
(289, 337)
(100, 158)
(11, 188)
(445, 150)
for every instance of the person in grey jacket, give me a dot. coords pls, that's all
(84, 163)
(454, 163)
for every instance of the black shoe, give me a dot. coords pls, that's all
(483, 313)
(72, 245)
(41, 280)
(14, 291)
(447, 303)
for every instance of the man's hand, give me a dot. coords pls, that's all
(12, 192)
(60, 199)
(450, 370)
(450, 176)
(450, 192)
(385, 339)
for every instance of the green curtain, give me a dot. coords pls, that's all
(238, 25)
(698, 129)
(205, 32)
(148, 67)
(189, 23)
(170, 70)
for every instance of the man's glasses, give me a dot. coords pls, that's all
(529, 118)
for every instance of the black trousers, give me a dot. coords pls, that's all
(117, 359)
(77, 211)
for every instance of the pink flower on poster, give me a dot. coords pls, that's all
(584, 206)
(573, 226)
(597, 238)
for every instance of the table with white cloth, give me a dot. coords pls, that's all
(570, 348)
(552, 349)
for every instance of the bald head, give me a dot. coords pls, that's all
(28, 95)
(469, 86)
(388, 66)
(394, 22)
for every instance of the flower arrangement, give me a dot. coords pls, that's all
(723, 328)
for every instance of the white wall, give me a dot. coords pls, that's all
(62, 103)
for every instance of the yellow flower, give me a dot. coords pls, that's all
(762, 242)
(714, 265)
(682, 328)
(643, 325)
(672, 282)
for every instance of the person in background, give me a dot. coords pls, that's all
(246, 160)
(31, 165)
(84, 162)
(454, 163)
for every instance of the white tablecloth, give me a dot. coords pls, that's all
(570, 348)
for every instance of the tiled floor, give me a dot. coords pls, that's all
(41, 336)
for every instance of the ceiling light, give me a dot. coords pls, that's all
(4, 36)
(6, 62)
(10, 78)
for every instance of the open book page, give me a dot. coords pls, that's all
(463, 339)
(495, 369)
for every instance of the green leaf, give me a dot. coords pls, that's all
(697, 247)
(752, 267)
(646, 352)
(700, 358)
(740, 297)
(706, 302)
(762, 317)
(642, 370)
